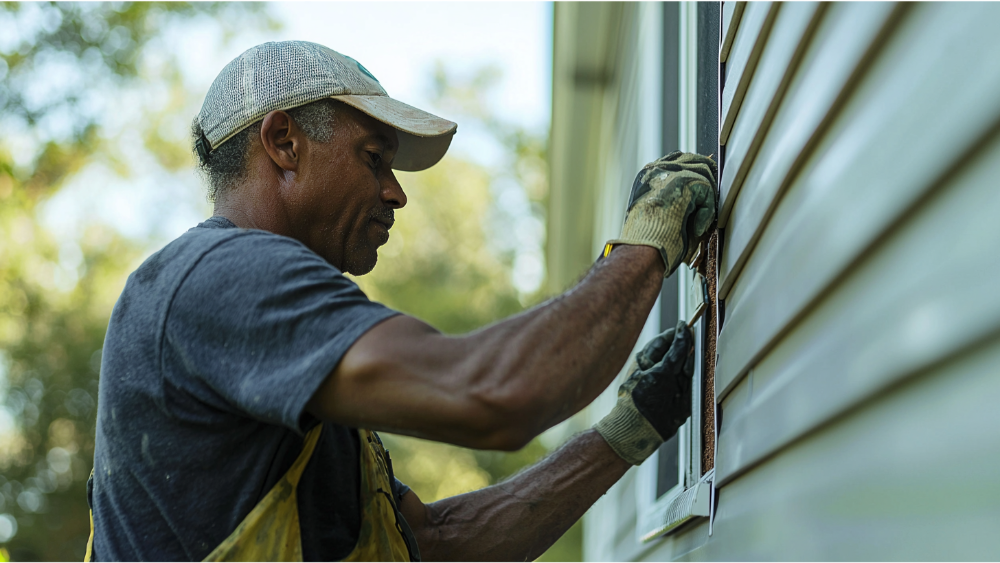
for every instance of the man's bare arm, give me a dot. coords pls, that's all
(524, 515)
(500, 386)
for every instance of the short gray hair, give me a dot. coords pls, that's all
(227, 165)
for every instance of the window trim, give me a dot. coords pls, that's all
(690, 497)
(696, 129)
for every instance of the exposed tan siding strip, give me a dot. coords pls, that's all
(731, 14)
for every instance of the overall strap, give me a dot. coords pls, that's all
(295, 471)
(382, 536)
(281, 540)
(271, 531)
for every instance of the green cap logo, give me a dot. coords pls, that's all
(364, 70)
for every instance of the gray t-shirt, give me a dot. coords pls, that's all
(214, 348)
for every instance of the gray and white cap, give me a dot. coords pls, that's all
(287, 74)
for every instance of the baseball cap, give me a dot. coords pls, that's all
(286, 74)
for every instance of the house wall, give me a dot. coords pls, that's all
(860, 326)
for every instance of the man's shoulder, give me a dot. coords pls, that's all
(206, 237)
(226, 248)
(246, 265)
(227, 254)
(244, 246)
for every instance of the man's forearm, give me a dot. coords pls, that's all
(519, 519)
(562, 354)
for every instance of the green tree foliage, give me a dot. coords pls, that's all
(519, 184)
(56, 295)
(55, 58)
(50, 340)
(436, 265)
(63, 70)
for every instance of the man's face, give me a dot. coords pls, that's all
(345, 193)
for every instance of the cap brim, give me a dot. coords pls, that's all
(423, 137)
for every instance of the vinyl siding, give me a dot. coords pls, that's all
(858, 355)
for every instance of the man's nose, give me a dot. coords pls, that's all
(392, 192)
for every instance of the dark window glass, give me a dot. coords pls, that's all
(666, 470)
(667, 466)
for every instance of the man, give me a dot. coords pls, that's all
(243, 373)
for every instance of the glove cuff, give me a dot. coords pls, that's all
(650, 244)
(660, 228)
(628, 433)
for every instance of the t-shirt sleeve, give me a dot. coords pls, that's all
(262, 320)
(399, 490)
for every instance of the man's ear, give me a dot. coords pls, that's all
(282, 140)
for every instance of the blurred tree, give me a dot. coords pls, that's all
(64, 71)
(519, 182)
(434, 266)
(56, 295)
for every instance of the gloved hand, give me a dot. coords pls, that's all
(655, 400)
(671, 207)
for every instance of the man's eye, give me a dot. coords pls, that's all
(376, 159)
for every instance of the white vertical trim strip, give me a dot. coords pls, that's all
(650, 54)
(688, 82)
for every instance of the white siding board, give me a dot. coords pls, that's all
(616, 537)
(624, 537)
(916, 300)
(677, 545)
(904, 127)
(734, 406)
(840, 43)
(731, 14)
(747, 45)
(910, 476)
(774, 68)
(602, 517)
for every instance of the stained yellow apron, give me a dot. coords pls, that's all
(271, 531)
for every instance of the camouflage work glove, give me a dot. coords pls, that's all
(671, 207)
(655, 400)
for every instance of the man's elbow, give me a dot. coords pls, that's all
(508, 419)
(507, 439)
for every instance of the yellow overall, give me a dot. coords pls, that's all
(271, 531)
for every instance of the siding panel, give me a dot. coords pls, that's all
(677, 545)
(749, 41)
(915, 301)
(903, 128)
(776, 65)
(734, 408)
(839, 45)
(909, 477)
